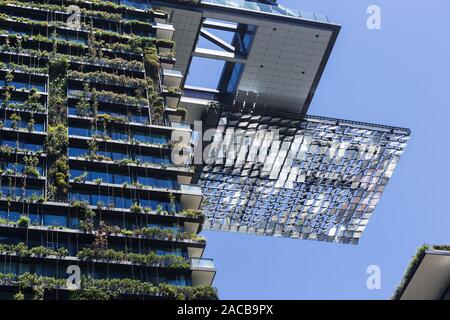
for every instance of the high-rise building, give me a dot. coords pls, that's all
(97, 100)
(89, 193)
(427, 276)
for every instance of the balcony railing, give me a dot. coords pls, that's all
(190, 189)
(202, 263)
(180, 125)
(268, 9)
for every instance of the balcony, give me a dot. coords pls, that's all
(160, 16)
(191, 196)
(196, 101)
(172, 97)
(203, 271)
(172, 78)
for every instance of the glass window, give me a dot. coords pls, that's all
(142, 137)
(55, 220)
(79, 131)
(159, 138)
(138, 4)
(35, 219)
(77, 152)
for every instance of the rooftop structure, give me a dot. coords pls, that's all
(275, 58)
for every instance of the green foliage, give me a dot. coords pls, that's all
(100, 289)
(442, 247)
(117, 98)
(412, 267)
(204, 293)
(58, 69)
(91, 293)
(115, 287)
(155, 233)
(151, 62)
(125, 162)
(57, 140)
(42, 251)
(15, 119)
(6, 150)
(62, 252)
(23, 221)
(81, 178)
(193, 213)
(31, 123)
(9, 77)
(19, 296)
(146, 92)
(172, 202)
(23, 68)
(38, 283)
(136, 208)
(31, 162)
(150, 259)
(22, 250)
(62, 175)
(83, 105)
(107, 78)
(56, 145)
(57, 108)
(86, 214)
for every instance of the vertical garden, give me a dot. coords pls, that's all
(86, 172)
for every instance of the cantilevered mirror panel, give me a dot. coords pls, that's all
(316, 178)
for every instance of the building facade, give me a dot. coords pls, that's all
(88, 187)
(427, 276)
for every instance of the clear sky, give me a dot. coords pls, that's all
(399, 75)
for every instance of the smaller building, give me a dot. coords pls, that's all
(427, 276)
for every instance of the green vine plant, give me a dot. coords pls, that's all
(57, 136)
(31, 162)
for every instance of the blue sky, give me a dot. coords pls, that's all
(399, 75)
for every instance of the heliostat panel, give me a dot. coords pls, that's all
(317, 178)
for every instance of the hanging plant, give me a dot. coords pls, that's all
(57, 94)
(60, 170)
(23, 222)
(31, 162)
(57, 140)
(172, 202)
(31, 123)
(15, 119)
(151, 62)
